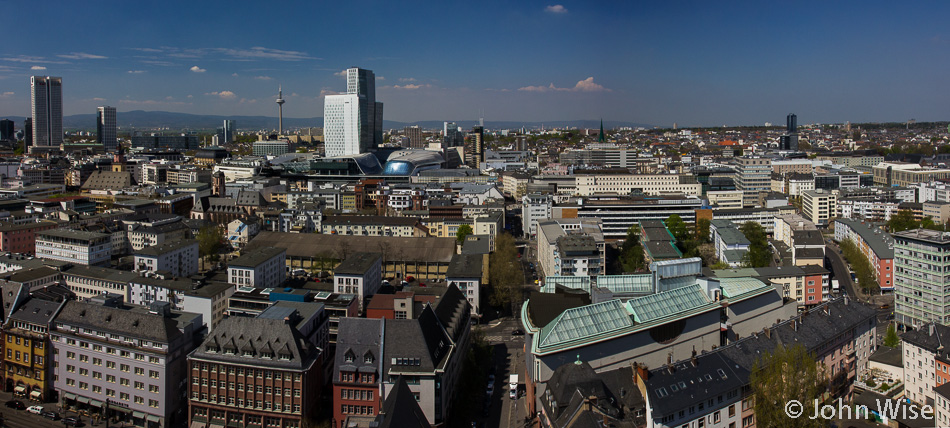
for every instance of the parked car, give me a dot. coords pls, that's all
(51, 415)
(491, 378)
(490, 390)
(71, 421)
(16, 404)
(36, 410)
(512, 394)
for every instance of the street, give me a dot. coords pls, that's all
(21, 418)
(884, 303)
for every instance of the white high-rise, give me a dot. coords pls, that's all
(106, 128)
(353, 122)
(46, 94)
(341, 125)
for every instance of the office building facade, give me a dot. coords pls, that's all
(353, 122)
(46, 94)
(106, 128)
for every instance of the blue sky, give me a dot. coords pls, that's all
(694, 63)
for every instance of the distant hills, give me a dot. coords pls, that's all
(184, 121)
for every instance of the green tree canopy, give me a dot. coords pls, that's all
(787, 374)
(903, 220)
(210, 241)
(463, 231)
(890, 338)
(677, 227)
(632, 258)
(505, 273)
(760, 253)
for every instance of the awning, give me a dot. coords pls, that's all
(84, 400)
(153, 418)
(119, 408)
(138, 415)
(95, 403)
(20, 389)
(36, 394)
(69, 396)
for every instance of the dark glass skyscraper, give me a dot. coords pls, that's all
(789, 141)
(47, 102)
(6, 130)
(791, 123)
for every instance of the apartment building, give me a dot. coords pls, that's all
(262, 267)
(906, 174)
(358, 369)
(534, 208)
(28, 359)
(731, 245)
(925, 361)
(178, 258)
(819, 206)
(875, 244)
(374, 226)
(468, 272)
(74, 246)
(753, 175)
(572, 247)
(359, 274)
(132, 358)
(921, 264)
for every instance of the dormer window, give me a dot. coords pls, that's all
(368, 358)
(349, 357)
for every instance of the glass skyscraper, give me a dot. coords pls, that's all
(46, 94)
(353, 122)
(106, 128)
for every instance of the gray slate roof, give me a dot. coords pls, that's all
(133, 321)
(357, 263)
(36, 311)
(359, 337)
(235, 335)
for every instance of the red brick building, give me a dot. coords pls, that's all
(21, 238)
(358, 363)
(254, 372)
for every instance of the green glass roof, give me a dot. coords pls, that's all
(642, 283)
(667, 303)
(733, 287)
(578, 282)
(585, 322)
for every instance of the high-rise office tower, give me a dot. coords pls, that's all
(415, 137)
(228, 134)
(46, 94)
(475, 147)
(789, 141)
(6, 130)
(106, 128)
(353, 122)
(451, 135)
(27, 132)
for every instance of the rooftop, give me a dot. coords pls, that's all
(357, 263)
(166, 247)
(72, 234)
(255, 257)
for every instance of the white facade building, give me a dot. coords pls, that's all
(264, 267)
(74, 246)
(179, 258)
(360, 274)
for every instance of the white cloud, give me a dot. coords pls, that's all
(33, 59)
(380, 78)
(234, 75)
(556, 9)
(6, 94)
(98, 99)
(262, 77)
(224, 95)
(136, 71)
(407, 79)
(586, 85)
(341, 73)
(152, 102)
(197, 69)
(327, 91)
(231, 54)
(191, 96)
(81, 55)
(37, 67)
(412, 86)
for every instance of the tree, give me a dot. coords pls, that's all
(890, 338)
(463, 231)
(862, 268)
(787, 374)
(702, 230)
(760, 253)
(903, 220)
(707, 252)
(632, 258)
(505, 272)
(677, 227)
(210, 240)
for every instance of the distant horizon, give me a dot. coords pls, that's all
(696, 64)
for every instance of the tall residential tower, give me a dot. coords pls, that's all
(46, 94)
(106, 128)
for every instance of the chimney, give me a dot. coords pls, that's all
(767, 332)
(794, 324)
(642, 372)
(932, 328)
(827, 309)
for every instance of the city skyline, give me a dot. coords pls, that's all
(693, 64)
